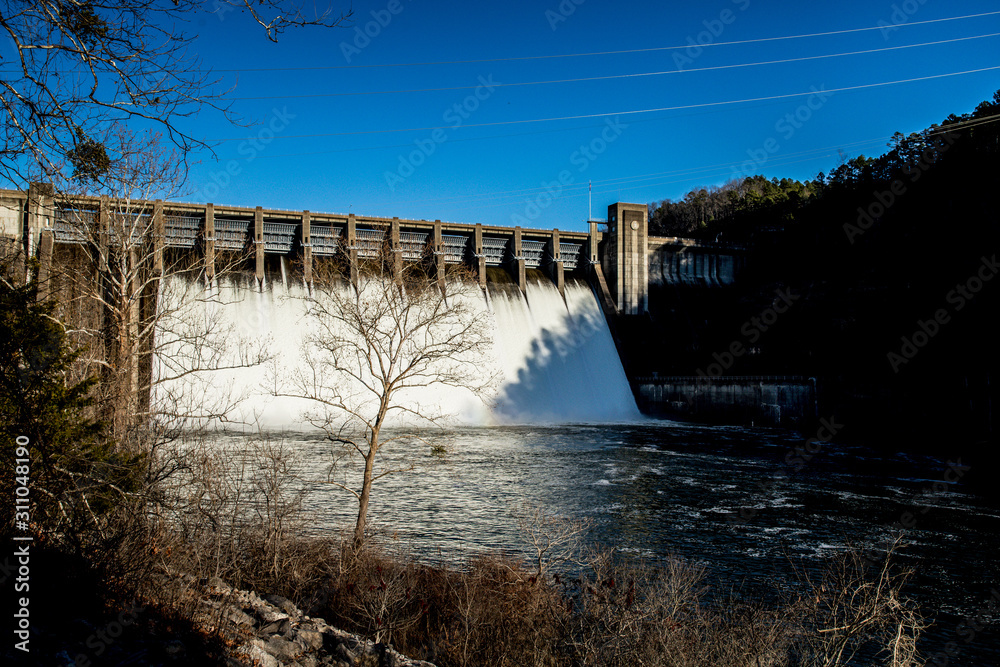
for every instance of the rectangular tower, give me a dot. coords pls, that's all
(629, 265)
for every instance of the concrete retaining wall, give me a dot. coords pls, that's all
(757, 401)
(676, 261)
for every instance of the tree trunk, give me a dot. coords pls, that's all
(366, 490)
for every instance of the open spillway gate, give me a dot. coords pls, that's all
(616, 255)
(302, 236)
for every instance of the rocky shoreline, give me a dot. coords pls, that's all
(271, 631)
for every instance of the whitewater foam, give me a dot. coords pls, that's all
(555, 357)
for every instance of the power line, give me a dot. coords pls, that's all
(608, 53)
(507, 135)
(805, 156)
(619, 113)
(576, 55)
(611, 76)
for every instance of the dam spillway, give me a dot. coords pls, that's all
(558, 359)
(552, 353)
(553, 350)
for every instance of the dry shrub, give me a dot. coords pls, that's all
(498, 613)
(615, 611)
(856, 609)
(236, 513)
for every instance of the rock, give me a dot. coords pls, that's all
(345, 654)
(174, 648)
(258, 655)
(284, 604)
(309, 638)
(282, 649)
(272, 629)
(239, 618)
(285, 636)
(269, 615)
(217, 586)
(384, 656)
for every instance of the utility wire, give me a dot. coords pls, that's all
(609, 53)
(627, 112)
(506, 135)
(611, 76)
(579, 55)
(805, 156)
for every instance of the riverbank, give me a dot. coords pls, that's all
(373, 607)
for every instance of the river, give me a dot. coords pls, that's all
(724, 497)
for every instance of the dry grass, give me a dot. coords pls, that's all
(497, 611)
(244, 522)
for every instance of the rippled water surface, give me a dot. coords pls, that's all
(721, 496)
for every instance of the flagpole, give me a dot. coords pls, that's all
(590, 200)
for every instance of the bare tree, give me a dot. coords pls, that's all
(74, 68)
(375, 348)
(151, 326)
(554, 539)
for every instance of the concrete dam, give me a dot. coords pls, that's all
(555, 298)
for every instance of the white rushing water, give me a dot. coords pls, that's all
(555, 358)
(558, 359)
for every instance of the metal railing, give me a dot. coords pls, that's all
(569, 254)
(325, 239)
(454, 248)
(181, 231)
(412, 245)
(231, 234)
(370, 242)
(73, 225)
(494, 250)
(279, 237)
(533, 252)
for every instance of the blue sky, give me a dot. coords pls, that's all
(325, 142)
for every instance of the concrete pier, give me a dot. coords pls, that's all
(307, 253)
(518, 268)
(258, 243)
(210, 242)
